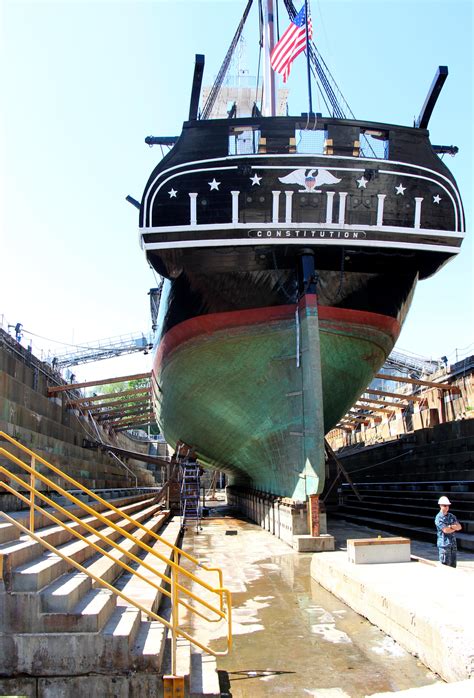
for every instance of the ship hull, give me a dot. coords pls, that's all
(246, 219)
(232, 385)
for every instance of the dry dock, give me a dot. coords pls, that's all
(294, 638)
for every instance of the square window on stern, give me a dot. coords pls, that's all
(243, 140)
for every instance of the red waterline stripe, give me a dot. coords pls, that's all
(203, 325)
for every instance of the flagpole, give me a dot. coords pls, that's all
(308, 59)
(269, 102)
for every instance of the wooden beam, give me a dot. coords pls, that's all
(415, 381)
(128, 420)
(134, 454)
(145, 423)
(105, 381)
(102, 409)
(109, 396)
(124, 414)
(340, 470)
(388, 403)
(410, 398)
(118, 410)
(133, 426)
(369, 418)
(355, 420)
(374, 409)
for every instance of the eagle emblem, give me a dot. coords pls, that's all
(307, 179)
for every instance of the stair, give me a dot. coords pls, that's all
(63, 633)
(400, 482)
(408, 508)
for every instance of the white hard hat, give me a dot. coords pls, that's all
(444, 500)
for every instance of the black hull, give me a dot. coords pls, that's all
(194, 294)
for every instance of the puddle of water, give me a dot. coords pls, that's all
(329, 632)
(292, 637)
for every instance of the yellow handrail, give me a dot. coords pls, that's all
(100, 550)
(222, 593)
(117, 592)
(97, 515)
(102, 519)
(90, 493)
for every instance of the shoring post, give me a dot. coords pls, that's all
(173, 686)
(174, 611)
(313, 512)
(32, 495)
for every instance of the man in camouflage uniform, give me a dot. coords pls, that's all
(446, 527)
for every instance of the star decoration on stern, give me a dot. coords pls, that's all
(172, 193)
(436, 199)
(255, 180)
(214, 185)
(362, 182)
(400, 190)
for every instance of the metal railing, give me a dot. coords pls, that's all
(221, 610)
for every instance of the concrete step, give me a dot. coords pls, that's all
(88, 616)
(8, 532)
(46, 568)
(204, 679)
(134, 587)
(149, 646)
(123, 644)
(119, 497)
(82, 630)
(27, 611)
(415, 491)
(65, 592)
(120, 633)
(109, 569)
(393, 513)
(62, 595)
(465, 540)
(397, 500)
(112, 684)
(54, 654)
(398, 511)
(24, 548)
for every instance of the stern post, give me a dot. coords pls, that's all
(314, 464)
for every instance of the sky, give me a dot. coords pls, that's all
(85, 81)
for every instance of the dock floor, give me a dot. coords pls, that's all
(291, 636)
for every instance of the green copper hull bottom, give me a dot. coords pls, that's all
(255, 391)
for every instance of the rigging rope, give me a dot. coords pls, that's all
(206, 112)
(318, 69)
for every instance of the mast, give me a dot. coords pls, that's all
(268, 106)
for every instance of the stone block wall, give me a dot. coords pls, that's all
(54, 431)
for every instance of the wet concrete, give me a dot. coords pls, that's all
(291, 636)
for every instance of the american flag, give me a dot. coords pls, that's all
(291, 44)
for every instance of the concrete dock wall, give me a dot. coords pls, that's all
(56, 432)
(426, 609)
(442, 453)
